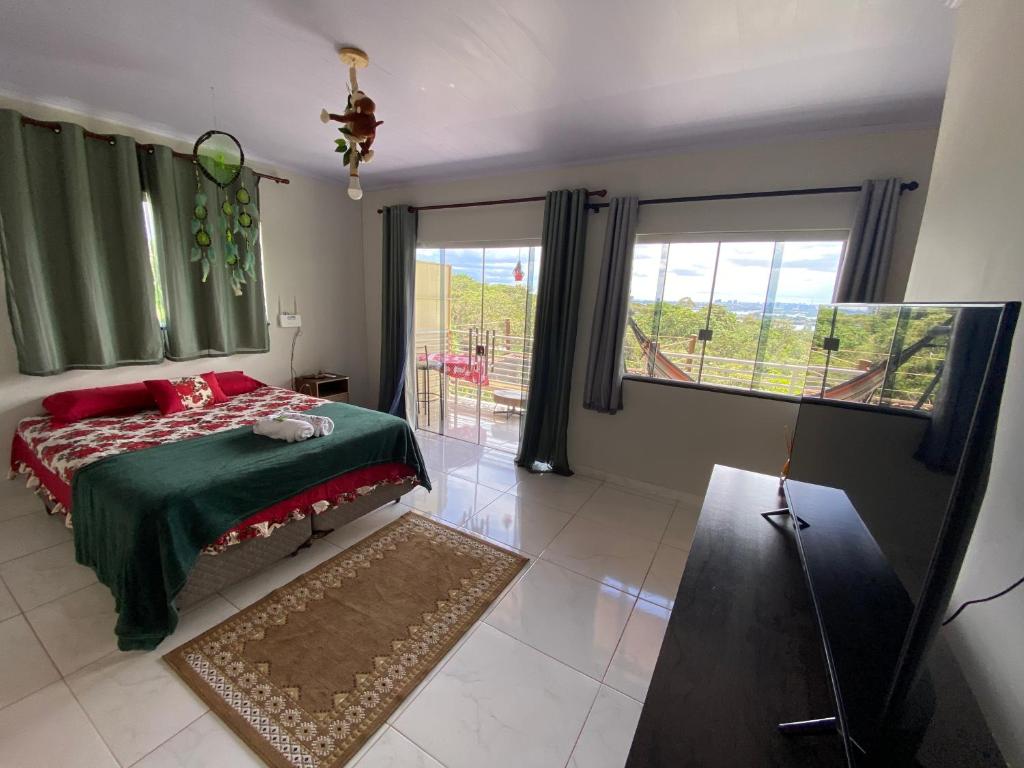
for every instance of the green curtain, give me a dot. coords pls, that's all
(202, 319)
(73, 243)
(544, 436)
(398, 273)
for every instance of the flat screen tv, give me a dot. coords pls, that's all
(888, 469)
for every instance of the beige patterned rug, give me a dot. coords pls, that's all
(306, 675)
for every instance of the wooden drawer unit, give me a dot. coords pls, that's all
(329, 386)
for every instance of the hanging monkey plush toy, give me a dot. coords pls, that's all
(360, 124)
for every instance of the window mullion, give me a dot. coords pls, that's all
(707, 319)
(767, 312)
(659, 301)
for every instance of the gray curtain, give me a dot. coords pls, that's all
(398, 272)
(73, 243)
(203, 319)
(865, 268)
(546, 422)
(602, 388)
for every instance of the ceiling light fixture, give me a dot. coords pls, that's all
(358, 121)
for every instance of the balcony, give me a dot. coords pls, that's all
(472, 382)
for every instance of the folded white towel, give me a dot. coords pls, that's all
(322, 425)
(279, 428)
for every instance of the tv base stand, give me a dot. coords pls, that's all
(805, 727)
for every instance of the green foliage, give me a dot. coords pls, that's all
(771, 354)
(500, 303)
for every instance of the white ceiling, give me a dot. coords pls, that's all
(470, 86)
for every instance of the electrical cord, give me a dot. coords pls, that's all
(291, 362)
(959, 610)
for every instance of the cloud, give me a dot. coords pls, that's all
(826, 263)
(688, 271)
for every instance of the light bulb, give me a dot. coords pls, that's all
(354, 190)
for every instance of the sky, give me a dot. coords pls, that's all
(494, 265)
(808, 271)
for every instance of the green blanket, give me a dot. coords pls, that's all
(141, 519)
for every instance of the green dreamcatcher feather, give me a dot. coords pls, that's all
(238, 218)
(202, 242)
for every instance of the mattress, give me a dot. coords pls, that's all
(49, 452)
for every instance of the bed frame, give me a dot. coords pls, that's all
(213, 573)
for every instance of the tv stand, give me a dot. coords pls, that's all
(741, 652)
(784, 511)
(803, 727)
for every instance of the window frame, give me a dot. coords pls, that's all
(830, 234)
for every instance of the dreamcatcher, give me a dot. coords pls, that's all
(219, 157)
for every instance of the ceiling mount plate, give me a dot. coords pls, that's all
(353, 57)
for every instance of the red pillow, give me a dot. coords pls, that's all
(237, 383)
(187, 393)
(76, 404)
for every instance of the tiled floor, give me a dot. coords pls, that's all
(554, 675)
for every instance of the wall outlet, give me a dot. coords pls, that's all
(287, 320)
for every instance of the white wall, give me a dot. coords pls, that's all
(312, 250)
(972, 248)
(672, 436)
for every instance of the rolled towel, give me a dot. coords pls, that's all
(322, 425)
(280, 428)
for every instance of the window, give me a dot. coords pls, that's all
(736, 311)
(154, 262)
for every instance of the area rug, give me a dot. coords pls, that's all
(306, 675)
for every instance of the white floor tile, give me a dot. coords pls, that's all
(17, 500)
(30, 533)
(495, 469)
(452, 500)
(608, 734)
(78, 628)
(49, 730)
(458, 453)
(8, 607)
(206, 743)
(679, 533)
(601, 552)
(633, 664)
(570, 617)
(354, 532)
(446, 455)
(630, 513)
(46, 575)
(24, 666)
(393, 750)
(400, 709)
(663, 579)
(248, 591)
(519, 523)
(135, 699)
(499, 703)
(567, 494)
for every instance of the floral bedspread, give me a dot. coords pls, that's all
(66, 448)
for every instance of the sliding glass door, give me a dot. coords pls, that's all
(473, 341)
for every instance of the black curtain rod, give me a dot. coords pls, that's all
(478, 203)
(907, 186)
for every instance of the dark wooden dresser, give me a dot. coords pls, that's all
(741, 652)
(329, 386)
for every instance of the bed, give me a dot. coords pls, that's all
(50, 454)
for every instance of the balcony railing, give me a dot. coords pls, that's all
(506, 357)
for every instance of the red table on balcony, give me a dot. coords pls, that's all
(463, 367)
